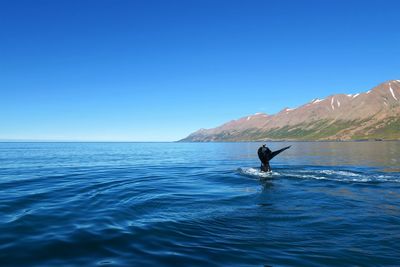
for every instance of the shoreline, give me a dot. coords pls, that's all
(294, 141)
(220, 141)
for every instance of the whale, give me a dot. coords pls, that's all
(265, 155)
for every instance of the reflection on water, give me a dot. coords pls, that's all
(375, 154)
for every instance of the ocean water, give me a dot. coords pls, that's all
(199, 204)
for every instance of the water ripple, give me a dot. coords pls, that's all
(194, 205)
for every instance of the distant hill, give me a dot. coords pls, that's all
(370, 115)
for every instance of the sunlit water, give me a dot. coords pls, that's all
(200, 204)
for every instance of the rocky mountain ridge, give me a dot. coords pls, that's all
(374, 114)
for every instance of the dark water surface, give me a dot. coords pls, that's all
(183, 204)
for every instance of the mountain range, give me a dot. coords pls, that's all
(369, 115)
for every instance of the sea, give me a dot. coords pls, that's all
(199, 204)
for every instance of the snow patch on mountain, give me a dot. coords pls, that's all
(391, 91)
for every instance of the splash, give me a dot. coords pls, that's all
(338, 175)
(256, 172)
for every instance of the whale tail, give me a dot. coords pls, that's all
(273, 154)
(265, 155)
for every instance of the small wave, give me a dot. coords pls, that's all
(343, 176)
(355, 177)
(341, 173)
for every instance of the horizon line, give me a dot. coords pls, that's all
(77, 141)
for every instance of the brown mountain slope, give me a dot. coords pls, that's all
(370, 115)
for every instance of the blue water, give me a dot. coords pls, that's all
(200, 204)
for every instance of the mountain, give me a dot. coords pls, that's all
(370, 115)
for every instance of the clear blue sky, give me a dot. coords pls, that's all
(157, 70)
